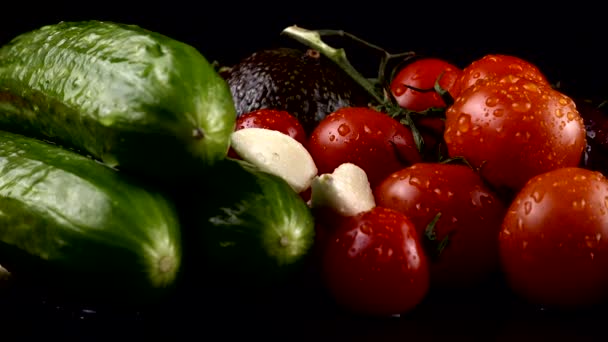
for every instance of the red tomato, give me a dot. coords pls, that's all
(496, 65)
(554, 239)
(327, 220)
(372, 140)
(278, 120)
(471, 215)
(373, 264)
(422, 74)
(513, 129)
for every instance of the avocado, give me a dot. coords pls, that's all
(304, 83)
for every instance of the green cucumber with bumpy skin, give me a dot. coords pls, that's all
(77, 225)
(134, 99)
(254, 231)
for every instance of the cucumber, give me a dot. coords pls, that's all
(81, 227)
(135, 99)
(251, 230)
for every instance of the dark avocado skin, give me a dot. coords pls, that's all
(307, 86)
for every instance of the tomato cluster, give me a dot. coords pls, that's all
(503, 188)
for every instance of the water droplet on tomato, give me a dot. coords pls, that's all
(476, 130)
(464, 123)
(366, 229)
(527, 207)
(447, 137)
(515, 67)
(498, 112)
(524, 244)
(520, 224)
(343, 130)
(591, 255)
(537, 196)
(399, 90)
(530, 86)
(571, 116)
(332, 137)
(580, 178)
(514, 89)
(415, 182)
(366, 129)
(579, 204)
(559, 113)
(492, 101)
(521, 106)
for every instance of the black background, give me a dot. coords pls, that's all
(565, 41)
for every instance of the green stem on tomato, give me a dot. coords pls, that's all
(313, 40)
(386, 56)
(383, 96)
(435, 247)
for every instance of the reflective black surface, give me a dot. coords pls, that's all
(300, 311)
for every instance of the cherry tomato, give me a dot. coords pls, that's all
(497, 65)
(278, 120)
(372, 140)
(422, 74)
(374, 264)
(469, 222)
(554, 239)
(513, 129)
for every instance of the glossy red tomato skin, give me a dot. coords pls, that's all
(513, 129)
(471, 217)
(374, 264)
(365, 137)
(554, 239)
(422, 74)
(278, 120)
(496, 66)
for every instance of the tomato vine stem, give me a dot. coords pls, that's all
(313, 40)
(379, 90)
